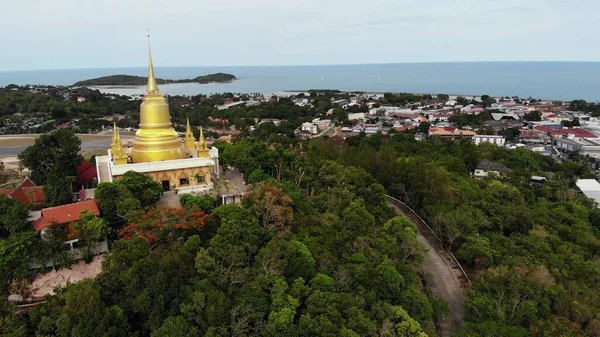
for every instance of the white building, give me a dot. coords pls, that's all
(591, 189)
(310, 127)
(301, 101)
(487, 168)
(498, 140)
(356, 116)
(322, 124)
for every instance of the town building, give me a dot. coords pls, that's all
(182, 165)
(356, 116)
(505, 116)
(451, 132)
(585, 147)
(310, 127)
(322, 124)
(488, 168)
(590, 188)
(535, 137)
(498, 140)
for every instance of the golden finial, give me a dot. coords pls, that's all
(152, 87)
(118, 153)
(188, 129)
(115, 134)
(202, 142)
(202, 147)
(190, 141)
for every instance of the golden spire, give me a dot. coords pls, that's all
(115, 133)
(202, 147)
(152, 87)
(190, 141)
(188, 129)
(118, 153)
(202, 142)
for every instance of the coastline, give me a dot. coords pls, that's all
(132, 86)
(413, 93)
(545, 80)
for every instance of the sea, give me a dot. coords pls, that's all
(540, 80)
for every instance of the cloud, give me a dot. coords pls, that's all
(110, 33)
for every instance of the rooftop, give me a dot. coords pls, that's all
(487, 165)
(591, 188)
(65, 214)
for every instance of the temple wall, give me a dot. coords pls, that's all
(174, 176)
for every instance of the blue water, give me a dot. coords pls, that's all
(545, 80)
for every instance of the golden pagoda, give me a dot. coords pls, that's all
(178, 164)
(156, 140)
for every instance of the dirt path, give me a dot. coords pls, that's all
(441, 278)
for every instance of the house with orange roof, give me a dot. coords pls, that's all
(28, 193)
(64, 216)
(450, 132)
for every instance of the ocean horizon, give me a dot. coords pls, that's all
(541, 80)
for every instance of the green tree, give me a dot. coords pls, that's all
(79, 311)
(142, 187)
(11, 323)
(90, 229)
(117, 204)
(16, 252)
(58, 189)
(14, 217)
(53, 250)
(424, 127)
(175, 327)
(204, 203)
(53, 153)
(533, 116)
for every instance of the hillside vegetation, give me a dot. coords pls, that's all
(140, 80)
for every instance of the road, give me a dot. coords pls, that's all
(443, 281)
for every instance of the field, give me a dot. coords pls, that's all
(91, 144)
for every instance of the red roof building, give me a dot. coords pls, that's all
(548, 130)
(87, 175)
(579, 133)
(27, 192)
(65, 214)
(575, 132)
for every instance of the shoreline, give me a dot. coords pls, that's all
(413, 93)
(133, 86)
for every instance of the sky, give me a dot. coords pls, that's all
(63, 34)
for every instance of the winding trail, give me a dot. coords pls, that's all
(442, 274)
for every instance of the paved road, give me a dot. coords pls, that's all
(443, 284)
(95, 144)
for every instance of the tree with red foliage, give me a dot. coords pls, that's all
(164, 224)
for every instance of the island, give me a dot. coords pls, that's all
(140, 80)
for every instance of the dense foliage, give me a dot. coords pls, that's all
(63, 103)
(125, 199)
(318, 256)
(532, 250)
